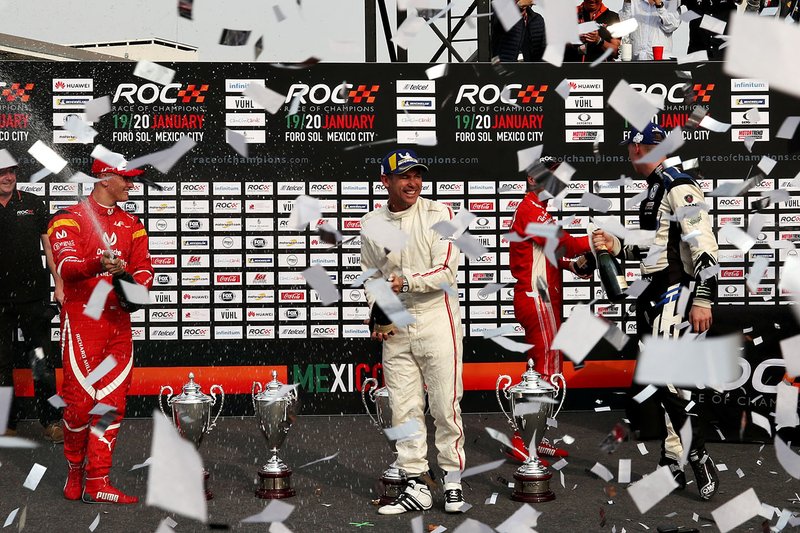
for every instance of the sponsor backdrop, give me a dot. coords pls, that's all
(229, 300)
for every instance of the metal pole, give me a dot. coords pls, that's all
(387, 31)
(370, 33)
(453, 33)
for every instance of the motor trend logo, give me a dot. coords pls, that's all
(509, 94)
(322, 93)
(170, 93)
(702, 92)
(17, 92)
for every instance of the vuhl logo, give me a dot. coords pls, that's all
(18, 91)
(347, 377)
(168, 94)
(340, 94)
(510, 94)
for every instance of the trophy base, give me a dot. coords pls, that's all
(392, 489)
(275, 485)
(532, 488)
(209, 494)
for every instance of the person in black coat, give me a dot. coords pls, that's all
(526, 37)
(702, 39)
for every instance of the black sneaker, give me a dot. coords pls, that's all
(677, 471)
(705, 473)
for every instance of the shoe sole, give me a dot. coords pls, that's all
(401, 511)
(89, 500)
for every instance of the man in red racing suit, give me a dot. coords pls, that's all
(539, 319)
(94, 242)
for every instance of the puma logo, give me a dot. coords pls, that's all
(107, 496)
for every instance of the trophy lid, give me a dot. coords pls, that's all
(532, 383)
(274, 390)
(192, 393)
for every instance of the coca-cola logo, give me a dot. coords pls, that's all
(352, 224)
(160, 260)
(294, 296)
(229, 278)
(481, 206)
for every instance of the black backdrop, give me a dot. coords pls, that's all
(230, 301)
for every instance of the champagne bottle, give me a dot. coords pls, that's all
(611, 275)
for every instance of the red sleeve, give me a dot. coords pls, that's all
(139, 265)
(64, 233)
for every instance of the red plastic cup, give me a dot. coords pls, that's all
(658, 53)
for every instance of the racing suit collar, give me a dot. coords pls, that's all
(655, 176)
(404, 213)
(99, 208)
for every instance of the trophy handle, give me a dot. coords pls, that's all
(256, 384)
(562, 389)
(160, 394)
(364, 388)
(497, 389)
(221, 403)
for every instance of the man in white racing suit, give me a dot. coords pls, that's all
(426, 353)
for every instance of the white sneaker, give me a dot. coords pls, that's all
(453, 498)
(416, 497)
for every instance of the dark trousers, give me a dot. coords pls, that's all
(657, 315)
(34, 321)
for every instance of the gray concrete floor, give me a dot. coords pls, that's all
(335, 495)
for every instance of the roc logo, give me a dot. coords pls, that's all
(17, 91)
(362, 94)
(702, 92)
(532, 92)
(194, 93)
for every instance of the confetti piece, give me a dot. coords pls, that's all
(652, 488)
(736, 511)
(34, 476)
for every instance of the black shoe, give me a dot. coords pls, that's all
(677, 471)
(705, 473)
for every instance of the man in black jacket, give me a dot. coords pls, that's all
(525, 38)
(25, 294)
(702, 39)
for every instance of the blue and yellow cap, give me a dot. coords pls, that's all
(400, 162)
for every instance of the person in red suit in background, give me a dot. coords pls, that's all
(96, 242)
(540, 318)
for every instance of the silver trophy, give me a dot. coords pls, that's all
(276, 407)
(531, 403)
(394, 480)
(191, 414)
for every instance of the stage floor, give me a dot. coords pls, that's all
(335, 495)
